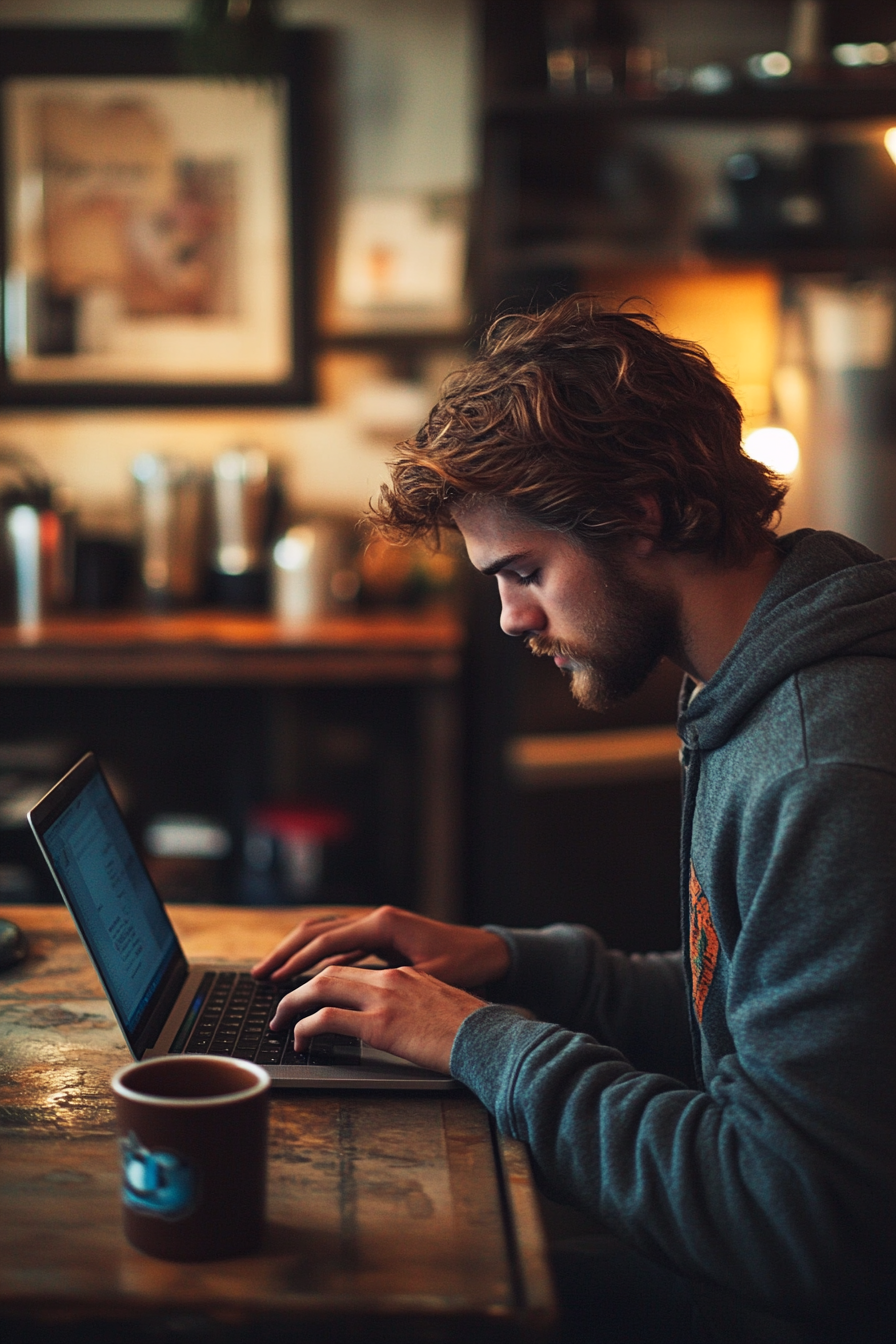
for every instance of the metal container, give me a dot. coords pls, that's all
(303, 564)
(36, 543)
(240, 492)
(173, 528)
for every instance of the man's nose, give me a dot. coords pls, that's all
(521, 616)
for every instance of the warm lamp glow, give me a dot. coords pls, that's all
(890, 142)
(774, 448)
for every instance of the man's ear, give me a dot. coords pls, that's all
(647, 531)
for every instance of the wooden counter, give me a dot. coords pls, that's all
(228, 647)
(420, 650)
(392, 1217)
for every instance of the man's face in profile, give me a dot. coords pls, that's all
(607, 628)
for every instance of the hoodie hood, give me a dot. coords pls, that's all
(831, 598)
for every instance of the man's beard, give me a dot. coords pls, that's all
(617, 656)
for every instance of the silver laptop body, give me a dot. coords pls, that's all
(162, 1003)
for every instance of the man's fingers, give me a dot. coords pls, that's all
(309, 944)
(356, 955)
(293, 940)
(325, 949)
(342, 1021)
(317, 940)
(365, 935)
(338, 986)
(396, 1009)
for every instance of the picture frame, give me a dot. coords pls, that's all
(157, 230)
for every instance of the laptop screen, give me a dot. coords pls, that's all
(122, 919)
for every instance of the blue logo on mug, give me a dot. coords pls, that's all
(159, 1183)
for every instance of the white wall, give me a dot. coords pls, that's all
(407, 78)
(406, 105)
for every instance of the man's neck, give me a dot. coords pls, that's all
(715, 606)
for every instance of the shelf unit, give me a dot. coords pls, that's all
(540, 150)
(837, 100)
(216, 712)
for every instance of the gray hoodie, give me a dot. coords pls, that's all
(765, 1163)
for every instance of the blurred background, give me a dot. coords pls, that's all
(244, 243)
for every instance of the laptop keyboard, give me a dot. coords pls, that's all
(230, 1014)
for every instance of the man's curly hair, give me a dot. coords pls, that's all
(572, 417)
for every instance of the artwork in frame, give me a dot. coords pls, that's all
(155, 245)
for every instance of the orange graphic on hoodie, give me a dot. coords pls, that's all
(704, 944)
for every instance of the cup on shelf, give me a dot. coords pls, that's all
(172, 498)
(242, 494)
(304, 561)
(36, 543)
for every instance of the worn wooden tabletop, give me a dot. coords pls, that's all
(391, 1216)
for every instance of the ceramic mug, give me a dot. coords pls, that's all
(192, 1139)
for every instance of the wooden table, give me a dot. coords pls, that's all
(391, 1217)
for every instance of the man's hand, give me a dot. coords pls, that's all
(459, 956)
(401, 1010)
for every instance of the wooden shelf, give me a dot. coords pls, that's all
(775, 102)
(566, 760)
(133, 648)
(584, 254)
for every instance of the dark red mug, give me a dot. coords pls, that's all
(192, 1139)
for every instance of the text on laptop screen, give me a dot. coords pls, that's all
(124, 922)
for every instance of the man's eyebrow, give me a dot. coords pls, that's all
(505, 562)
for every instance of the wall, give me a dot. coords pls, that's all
(406, 84)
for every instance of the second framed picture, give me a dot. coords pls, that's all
(157, 226)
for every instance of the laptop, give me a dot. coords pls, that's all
(163, 1005)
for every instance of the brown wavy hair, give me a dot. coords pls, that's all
(573, 415)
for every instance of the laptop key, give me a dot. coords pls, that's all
(329, 1048)
(290, 1056)
(271, 1049)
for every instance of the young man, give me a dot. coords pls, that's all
(730, 1115)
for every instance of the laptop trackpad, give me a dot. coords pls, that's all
(369, 1055)
(342, 1051)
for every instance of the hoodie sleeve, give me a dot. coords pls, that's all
(638, 1004)
(777, 1182)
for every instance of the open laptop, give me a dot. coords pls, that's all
(163, 1005)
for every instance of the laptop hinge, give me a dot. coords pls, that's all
(147, 1032)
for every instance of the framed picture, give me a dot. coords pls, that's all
(401, 263)
(156, 226)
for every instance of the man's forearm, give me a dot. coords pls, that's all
(637, 1004)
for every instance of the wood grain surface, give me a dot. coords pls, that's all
(229, 647)
(391, 1217)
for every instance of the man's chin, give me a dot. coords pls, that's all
(589, 689)
(594, 689)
